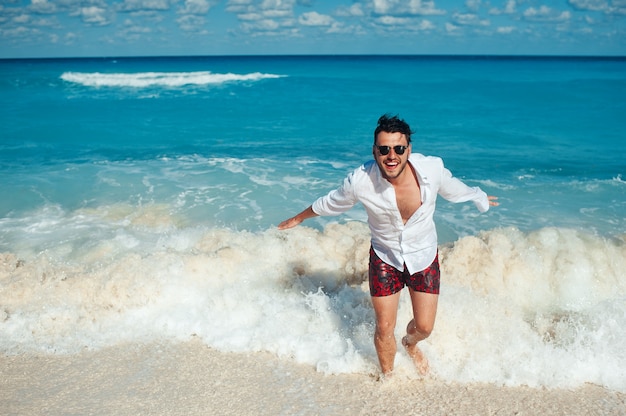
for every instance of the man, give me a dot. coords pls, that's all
(399, 190)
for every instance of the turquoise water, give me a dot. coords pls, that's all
(546, 135)
(122, 178)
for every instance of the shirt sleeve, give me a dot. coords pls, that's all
(454, 190)
(338, 201)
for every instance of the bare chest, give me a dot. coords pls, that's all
(408, 199)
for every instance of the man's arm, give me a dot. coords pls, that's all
(334, 203)
(293, 221)
(454, 190)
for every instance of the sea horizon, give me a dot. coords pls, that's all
(322, 55)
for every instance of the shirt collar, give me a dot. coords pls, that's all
(421, 175)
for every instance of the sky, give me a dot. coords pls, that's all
(95, 28)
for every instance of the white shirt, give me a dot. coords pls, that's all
(396, 243)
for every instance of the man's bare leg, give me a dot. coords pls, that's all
(420, 327)
(386, 309)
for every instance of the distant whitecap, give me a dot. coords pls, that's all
(164, 79)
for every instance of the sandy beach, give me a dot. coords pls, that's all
(192, 379)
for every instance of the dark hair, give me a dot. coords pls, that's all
(393, 124)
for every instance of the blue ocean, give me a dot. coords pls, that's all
(140, 198)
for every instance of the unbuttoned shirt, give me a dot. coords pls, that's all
(413, 244)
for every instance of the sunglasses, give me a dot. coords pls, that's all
(384, 150)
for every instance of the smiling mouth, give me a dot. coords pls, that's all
(391, 164)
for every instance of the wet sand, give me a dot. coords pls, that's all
(191, 379)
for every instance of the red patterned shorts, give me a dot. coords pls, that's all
(386, 280)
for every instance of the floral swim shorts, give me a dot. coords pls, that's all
(386, 280)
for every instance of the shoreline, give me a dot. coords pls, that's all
(192, 379)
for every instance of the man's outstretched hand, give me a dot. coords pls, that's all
(293, 221)
(290, 223)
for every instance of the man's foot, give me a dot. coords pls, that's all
(384, 377)
(421, 363)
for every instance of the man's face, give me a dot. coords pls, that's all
(392, 164)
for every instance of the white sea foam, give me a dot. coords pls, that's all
(542, 309)
(495, 185)
(164, 79)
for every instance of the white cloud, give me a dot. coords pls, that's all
(401, 7)
(250, 16)
(131, 27)
(315, 19)
(195, 7)
(356, 10)
(546, 14)
(469, 19)
(93, 15)
(271, 17)
(42, 6)
(473, 5)
(152, 15)
(190, 22)
(451, 28)
(338, 28)
(238, 6)
(405, 23)
(132, 32)
(22, 18)
(133, 5)
(509, 8)
(52, 22)
(426, 25)
(264, 25)
(393, 21)
(506, 29)
(277, 4)
(618, 8)
(277, 13)
(19, 32)
(70, 37)
(425, 8)
(381, 6)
